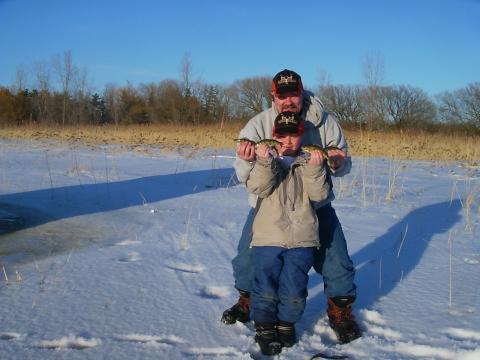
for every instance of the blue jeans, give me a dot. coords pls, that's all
(331, 259)
(279, 289)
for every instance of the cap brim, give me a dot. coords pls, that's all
(283, 130)
(284, 89)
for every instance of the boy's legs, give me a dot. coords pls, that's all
(293, 281)
(292, 291)
(268, 265)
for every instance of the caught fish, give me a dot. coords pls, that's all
(244, 139)
(270, 142)
(314, 147)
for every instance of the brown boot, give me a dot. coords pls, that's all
(238, 312)
(341, 318)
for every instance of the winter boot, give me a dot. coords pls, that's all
(341, 319)
(286, 333)
(267, 338)
(240, 311)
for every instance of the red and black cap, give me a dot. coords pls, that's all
(288, 123)
(287, 81)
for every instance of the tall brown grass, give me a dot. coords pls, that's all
(394, 144)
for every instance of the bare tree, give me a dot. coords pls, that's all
(343, 101)
(470, 97)
(81, 95)
(190, 91)
(323, 80)
(65, 71)
(461, 106)
(42, 74)
(373, 69)
(406, 105)
(111, 97)
(20, 80)
(254, 93)
(170, 101)
(186, 73)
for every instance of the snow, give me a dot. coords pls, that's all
(120, 253)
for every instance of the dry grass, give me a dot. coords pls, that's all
(393, 144)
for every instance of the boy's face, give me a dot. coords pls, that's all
(290, 143)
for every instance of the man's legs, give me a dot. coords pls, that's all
(243, 272)
(242, 264)
(332, 260)
(334, 263)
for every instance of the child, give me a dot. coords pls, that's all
(285, 231)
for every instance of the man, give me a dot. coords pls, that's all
(332, 260)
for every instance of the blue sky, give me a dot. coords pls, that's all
(430, 44)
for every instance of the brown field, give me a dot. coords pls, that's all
(394, 144)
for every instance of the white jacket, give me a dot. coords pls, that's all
(321, 128)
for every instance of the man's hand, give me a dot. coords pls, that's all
(337, 158)
(246, 151)
(316, 158)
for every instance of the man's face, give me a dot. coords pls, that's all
(288, 102)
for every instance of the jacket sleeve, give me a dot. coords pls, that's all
(334, 136)
(315, 182)
(252, 131)
(263, 178)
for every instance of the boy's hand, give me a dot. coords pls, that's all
(246, 151)
(316, 158)
(337, 158)
(263, 151)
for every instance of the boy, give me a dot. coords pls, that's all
(285, 231)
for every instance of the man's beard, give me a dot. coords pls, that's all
(292, 108)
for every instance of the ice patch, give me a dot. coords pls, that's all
(187, 268)
(462, 334)
(471, 261)
(423, 351)
(324, 330)
(11, 336)
(69, 342)
(213, 351)
(130, 257)
(215, 292)
(128, 242)
(165, 339)
(385, 332)
(372, 317)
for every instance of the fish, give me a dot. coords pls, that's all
(314, 147)
(270, 142)
(244, 139)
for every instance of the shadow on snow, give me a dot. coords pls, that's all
(383, 263)
(21, 212)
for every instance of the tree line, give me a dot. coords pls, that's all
(61, 96)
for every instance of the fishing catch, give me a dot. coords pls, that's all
(270, 142)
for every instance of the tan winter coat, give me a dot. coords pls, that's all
(286, 202)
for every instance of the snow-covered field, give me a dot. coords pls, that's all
(125, 254)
